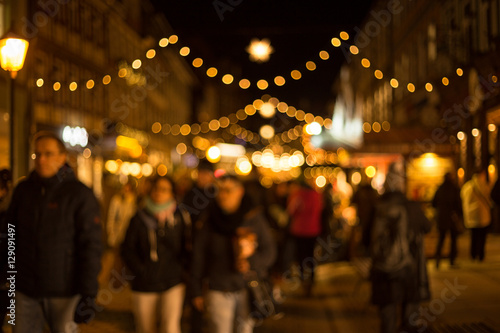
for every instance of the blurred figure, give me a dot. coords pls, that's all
(476, 204)
(203, 193)
(399, 276)
(216, 259)
(5, 192)
(304, 207)
(155, 251)
(364, 200)
(58, 243)
(449, 213)
(121, 209)
(195, 202)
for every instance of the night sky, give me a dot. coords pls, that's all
(219, 31)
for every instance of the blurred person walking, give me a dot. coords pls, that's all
(305, 209)
(155, 251)
(449, 215)
(217, 259)
(121, 209)
(398, 275)
(195, 202)
(58, 243)
(477, 204)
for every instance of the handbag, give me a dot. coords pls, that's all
(458, 223)
(262, 303)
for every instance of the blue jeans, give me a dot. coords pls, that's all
(31, 314)
(228, 310)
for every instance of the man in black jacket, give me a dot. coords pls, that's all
(57, 235)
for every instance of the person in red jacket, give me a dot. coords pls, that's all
(304, 207)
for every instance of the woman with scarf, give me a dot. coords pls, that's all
(155, 251)
(232, 240)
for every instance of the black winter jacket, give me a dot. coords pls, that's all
(171, 249)
(58, 236)
(213, 254)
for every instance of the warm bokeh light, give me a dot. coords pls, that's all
(365, 63)
(39, 82)
(313, 128)
(227, 79)
(259, 50)
(336, 42)
(250, 110)
(181, 148)
(386, 126)
(73, 86)
(460, 71)
(492, 127)
(267, 110)
(90, 84)
(356, 178)
(185, 129)
(163, 42)
(429, 87)
(394, 83)
(376, 127)
(244, 84)
(156, 127)
(475, 132)
(184, 51)
(266, 132)
(213, 154)
(279, 81)
(321, 181)
(198, 62)
(136, 64)
(344, 35)
(371, 171)
(296, 75)
(324, 55)
(161, 170)
(106, 79)
(310, 65)
(212, 72)
(378, 74)
(367, 128)
(111, 166)
(445, 81)
(411, 87)
(173, 39)
(56, 86)
(262, 84)
(150, 54)
(354, 49)
(460, 135)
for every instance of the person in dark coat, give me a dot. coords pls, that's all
(155, 249)
(58, 243)
(409, 286)
(195, 202)
(449, 213)
(223, 265)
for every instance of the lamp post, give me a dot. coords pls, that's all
(12, 55)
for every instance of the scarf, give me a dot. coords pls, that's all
(164, 213)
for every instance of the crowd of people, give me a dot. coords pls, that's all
(201, 251)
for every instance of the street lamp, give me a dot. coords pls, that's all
(12, 55)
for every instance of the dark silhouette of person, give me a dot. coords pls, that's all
(58, 243)
(449, 213)
(406, 284)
